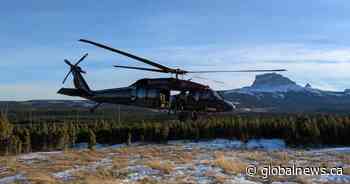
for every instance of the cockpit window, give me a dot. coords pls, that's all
(216, 94)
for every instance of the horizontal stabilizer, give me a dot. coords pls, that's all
(71, 92)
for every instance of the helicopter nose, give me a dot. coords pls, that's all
(228, 106)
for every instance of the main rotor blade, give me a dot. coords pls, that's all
(227, 71)
(65, 78)
(216, 81)
(140, 68)
(81, 59)
(144, 60)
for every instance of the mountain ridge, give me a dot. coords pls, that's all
(277, 92)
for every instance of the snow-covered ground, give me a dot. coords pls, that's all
(217, 144)
(212, 161)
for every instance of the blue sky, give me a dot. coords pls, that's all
(309, 38)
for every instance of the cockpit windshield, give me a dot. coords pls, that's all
(217, 95)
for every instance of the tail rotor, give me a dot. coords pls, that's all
(74, 67)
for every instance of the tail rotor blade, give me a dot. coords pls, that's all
(81, 59)
(65, 78)
(68, 63)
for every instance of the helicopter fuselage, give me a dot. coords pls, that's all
(159, 93)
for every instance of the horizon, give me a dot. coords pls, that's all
(82, 99)
(309, 39)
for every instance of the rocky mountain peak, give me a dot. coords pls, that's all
(272, 79)
(308, 85)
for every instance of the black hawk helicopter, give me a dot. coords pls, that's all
(155, 93)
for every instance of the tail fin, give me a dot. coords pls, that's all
(79, 82)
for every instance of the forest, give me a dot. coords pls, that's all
(295, 129)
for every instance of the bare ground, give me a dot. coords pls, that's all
(218, 161)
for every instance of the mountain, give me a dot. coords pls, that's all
(277, 93)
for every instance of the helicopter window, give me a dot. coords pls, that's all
(205, 95)
(152, 93)
(174, 92)
(195, 95)
(133, 93)
(141, 92)
(216, 94)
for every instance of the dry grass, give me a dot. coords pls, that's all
(254, 155)
(282, 156)
(148, 180)
(85, 156)
(345, 158)
(303, 180)
(183, 158)
(9, 162)
(100, 177)
(163, 158)
(164, 166)
(41, 178)
(119, 163)
(229, 165)
(346, 171)
(220, 178)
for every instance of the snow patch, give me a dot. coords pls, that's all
(333, 150)
(215, 144)
(30, 158)
(332, 179)
(240, 180)
(12, 179)
(139, 172)
(268, 144)
(272, 89)
(68, 174)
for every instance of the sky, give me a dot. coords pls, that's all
(311, 39)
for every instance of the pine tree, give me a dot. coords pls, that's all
(44, 135)
(6, 129)
(92, 140)
(164, 133)
(26, 141)
(128, 142)
(15, 145)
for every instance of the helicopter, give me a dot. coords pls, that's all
(171, 94)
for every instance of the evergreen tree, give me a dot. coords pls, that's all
(6, 129)
(164, 133)
(92, 139)
(128, 141)
(27, 141)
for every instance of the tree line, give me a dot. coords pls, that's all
(293, 128)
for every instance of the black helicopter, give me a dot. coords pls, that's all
(156, 93)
